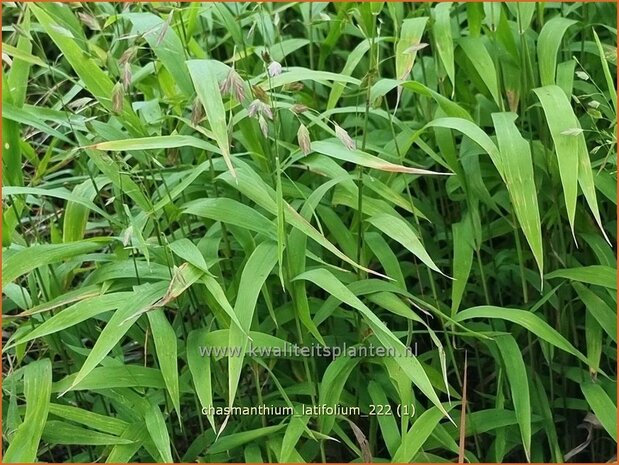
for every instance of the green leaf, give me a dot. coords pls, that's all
(293, 433)
(338, 151)
(225, 443)
(604, 408)
(256, 271)
(96, 81)
(331, 388)
(601, 311)
(200, 368)
(518, 171)
(410, 365)
(419, 433)
(519, 386)
(463, 246)
(144, 297)
(231, 212)
(30, 258)
(166, 44)
(400, 231)
(444, 39)
(548, 44)
(477, 53)
(155, 424)
(109, 377)
(37, 390)
(525, 319)
(75, 314)
(60, 432)
(560, 118)
(598, 275)
(206, 84)
(154, 143)
(111, 425)
(406, 50)
(166, 348)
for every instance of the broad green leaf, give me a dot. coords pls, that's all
(256, 271)
(478, 54)
(155, 424)
(292, 435)
(601, 311)
(200, 368)
(400, 231)
(30, 258)
(60, 432)
(387, 423)
(144, 297)
(463, 246)
(189, 252)
(96, 81)
(518, 171)
(337, 150)
(525, 319)
(408, 44)
(225, 443)
(598, 275)
(75, 314)
(419, 433)
(548, 44)
(110, 377)
(166, 348)
(207, 88)
(154, 143)
(560, 118)
(332, 386)
(76, 215)
(444, 39)
(107, 424)
(232, 212)
(519, 385)
(610, 82)
(59, 193)
(604, 408)
(166, 44)
(29, 118)
(472, 131)
(37, 390)
(353, 59)
(410, 365)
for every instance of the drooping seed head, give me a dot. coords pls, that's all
(118, 96)
(274, 68)
(264, 126)
(126, 73)
(344, 137)
(303, 137)
(298, 108)
(197, 112)
(258, 107)
(89, 21)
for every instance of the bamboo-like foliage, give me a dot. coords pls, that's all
(436, 180)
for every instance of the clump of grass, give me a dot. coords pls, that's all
(429, 178)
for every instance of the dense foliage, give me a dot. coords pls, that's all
(429, 178)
